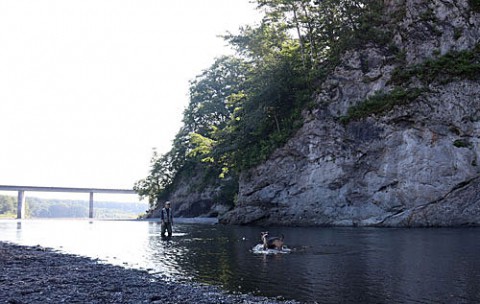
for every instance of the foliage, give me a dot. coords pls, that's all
(475, 5)
(358, 23)
(446, 68)
(162, 171)
(213, 97)
(451, 66)
(8, 206)
(276, 89)
(462, 143)
(209, 94)
(202, 146)
(325, 29)
(381, 102)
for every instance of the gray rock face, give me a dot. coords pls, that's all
(415, 165)
(195, 195)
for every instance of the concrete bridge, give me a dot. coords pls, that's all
(22, 189)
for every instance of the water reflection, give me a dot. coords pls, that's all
(339, 265)
(161, 253)
(326, 265)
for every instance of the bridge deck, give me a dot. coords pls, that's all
(65, 189)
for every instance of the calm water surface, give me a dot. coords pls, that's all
(326, 265)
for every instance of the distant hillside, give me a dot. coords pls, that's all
(56, 208)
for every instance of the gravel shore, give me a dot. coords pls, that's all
(41, 275)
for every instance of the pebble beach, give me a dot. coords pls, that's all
(41, 275)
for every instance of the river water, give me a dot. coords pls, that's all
(325, 265)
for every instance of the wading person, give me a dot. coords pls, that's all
(167, 219)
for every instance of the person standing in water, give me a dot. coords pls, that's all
(167, 219)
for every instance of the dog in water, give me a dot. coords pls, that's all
(272, 242)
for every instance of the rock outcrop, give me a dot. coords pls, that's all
(417, 164)
(196, 194)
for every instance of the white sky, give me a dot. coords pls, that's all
(89, 87)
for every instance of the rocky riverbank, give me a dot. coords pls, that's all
(41, 275)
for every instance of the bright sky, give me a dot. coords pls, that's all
(89, 87)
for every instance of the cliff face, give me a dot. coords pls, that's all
(417, 164)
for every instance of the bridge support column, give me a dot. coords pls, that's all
(21, 204)
(90, 209)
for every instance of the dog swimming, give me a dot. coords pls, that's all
(270, 244)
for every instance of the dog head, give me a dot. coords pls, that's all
(271, 242)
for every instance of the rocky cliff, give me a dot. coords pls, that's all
(412, 162)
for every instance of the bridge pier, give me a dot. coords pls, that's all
(21, 204)
(90, 208)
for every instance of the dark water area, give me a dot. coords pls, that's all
(325, 265)
(337, 265)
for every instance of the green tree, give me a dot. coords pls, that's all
(268, 109)
(7, 205)
(160, 177)
(208, 112)
(209, 92)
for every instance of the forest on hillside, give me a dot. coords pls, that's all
(56, 208)
(246, 105)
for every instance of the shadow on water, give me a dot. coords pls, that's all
(358, 265)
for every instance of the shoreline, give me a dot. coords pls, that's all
(187, 220)
(34, 274)
(179, 220)
(215, 221)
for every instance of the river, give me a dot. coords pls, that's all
(326, 265)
